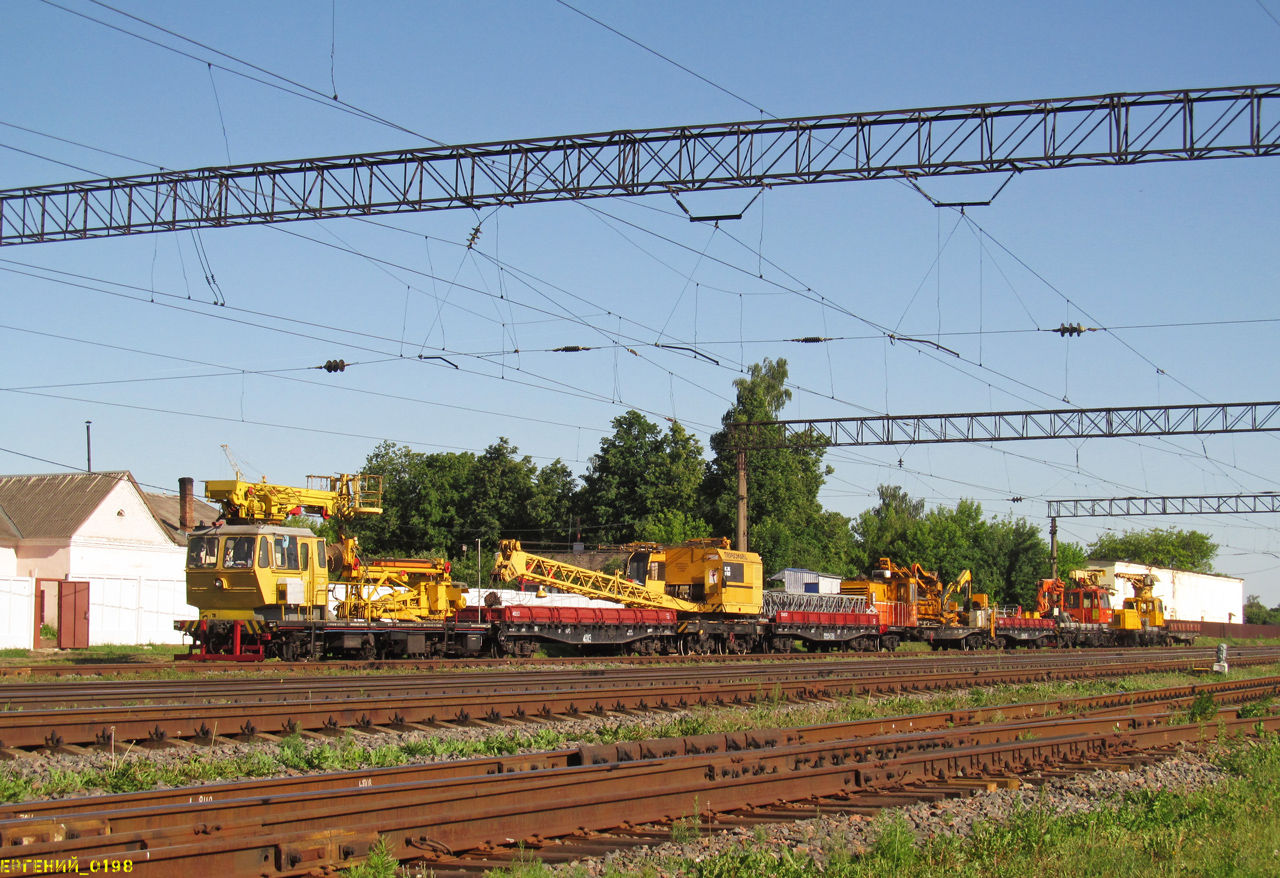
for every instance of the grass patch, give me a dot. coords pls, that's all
(1230, 831)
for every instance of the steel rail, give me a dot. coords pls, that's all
(1119, 703)
(160, 724)
(29, 696)
(291, 835)
(1115, 129)
(95, 670)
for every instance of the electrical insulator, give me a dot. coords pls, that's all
(1073, 329)
(475, 236)
(335, 365)
(570, 349)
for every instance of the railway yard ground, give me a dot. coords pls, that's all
(1055, 762)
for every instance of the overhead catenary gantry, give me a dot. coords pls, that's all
(1118, 129)
(1201, 504)
(979, 427)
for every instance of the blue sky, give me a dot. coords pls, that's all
(1179, 243)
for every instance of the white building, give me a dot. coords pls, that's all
(1198, 597)
(98, 528)
(801, 581)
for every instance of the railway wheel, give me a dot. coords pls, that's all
(1002, 642)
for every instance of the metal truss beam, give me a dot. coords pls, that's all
(1231, 504)
(1170, 420)
(1116, 129)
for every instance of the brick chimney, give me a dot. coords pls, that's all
(186, 503)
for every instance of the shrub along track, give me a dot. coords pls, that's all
(201, 714)
(470, 816)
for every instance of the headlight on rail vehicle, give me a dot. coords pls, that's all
(219, 583)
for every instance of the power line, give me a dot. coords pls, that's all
(308, 93)
(665, 58)
(82, 146)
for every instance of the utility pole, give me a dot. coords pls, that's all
(1053, 546)
(741, 544)
(88, 448)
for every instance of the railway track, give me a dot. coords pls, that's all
(102, 693)
(465, 817)
(213, 669)
(205, 714)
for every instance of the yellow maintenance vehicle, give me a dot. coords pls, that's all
(712, 595)
(916, 604)
(698, 597)
(249, 574)
(1140, 620)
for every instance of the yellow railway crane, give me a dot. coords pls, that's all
(700, 576)
(250, 566)
(717, 593)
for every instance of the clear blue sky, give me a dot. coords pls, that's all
(1178, 243)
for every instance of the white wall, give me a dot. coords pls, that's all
(8, 561)
(1198, 597)
(136, 609)
(17, 606)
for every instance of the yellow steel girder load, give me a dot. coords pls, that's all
(515, 563)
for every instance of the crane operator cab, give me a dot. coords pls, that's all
(267, 572)
(704, 572)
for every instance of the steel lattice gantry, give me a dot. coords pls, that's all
(1019, 136)
(1168, 420)
(1172, 420)
(1230, 504)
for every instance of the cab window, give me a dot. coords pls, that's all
(202, 552)
(1073, 600)
(264, 552)
(305, 552)
(285, 554)
(321, 558)
(238, 553)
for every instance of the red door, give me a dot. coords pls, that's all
(73, 615)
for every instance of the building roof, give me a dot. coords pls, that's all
(54, 506)
(166, 508)
(8, 530)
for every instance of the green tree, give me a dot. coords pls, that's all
(1071, 556)
(1178, 549)
(886, 530)
(434, 504)
(672, 526)
(1256, 613)
(640, 475)
(1006, 556)
(551, 504)
(787, 525)
(496, 498)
